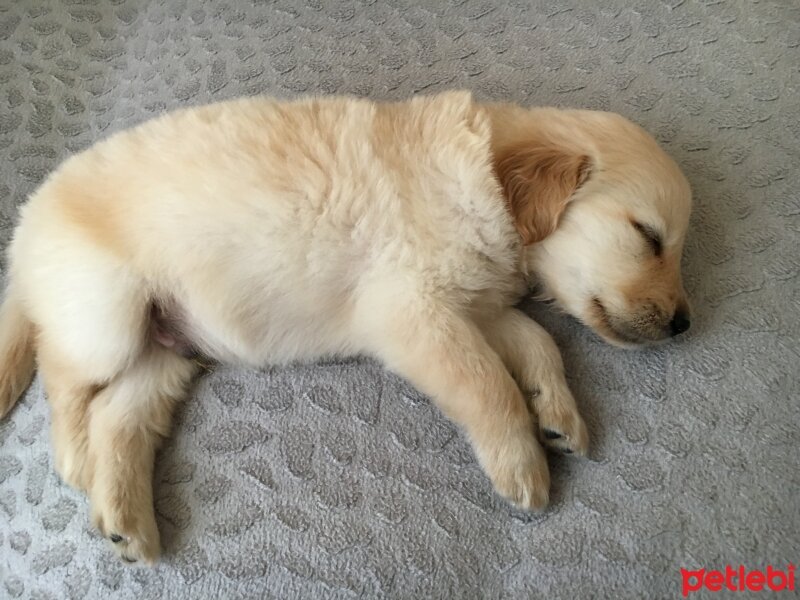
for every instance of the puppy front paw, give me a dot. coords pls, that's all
(561, 426)
(518, 469)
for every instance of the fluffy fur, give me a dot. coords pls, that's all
(260, 232)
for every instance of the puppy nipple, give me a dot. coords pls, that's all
(162, 337)
(160, 330)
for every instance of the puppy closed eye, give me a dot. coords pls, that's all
(650, 235)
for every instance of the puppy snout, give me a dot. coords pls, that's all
(679, 323)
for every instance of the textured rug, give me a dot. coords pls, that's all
(339, 480)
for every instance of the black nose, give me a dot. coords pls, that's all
(680, 323)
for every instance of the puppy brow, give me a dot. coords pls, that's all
(650, 235)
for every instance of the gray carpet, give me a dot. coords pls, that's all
(338, 480)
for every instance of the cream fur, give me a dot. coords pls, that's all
(291, 231)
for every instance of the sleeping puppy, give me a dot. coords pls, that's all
(258, 232)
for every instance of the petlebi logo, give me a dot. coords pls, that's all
(738, 579)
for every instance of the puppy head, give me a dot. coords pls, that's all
(602, 212)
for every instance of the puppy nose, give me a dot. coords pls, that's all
(680, 323)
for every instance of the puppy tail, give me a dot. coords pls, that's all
(16, 351)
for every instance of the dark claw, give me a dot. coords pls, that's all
(566, 451)
(552, 435)
(116, 538)
(127, 559)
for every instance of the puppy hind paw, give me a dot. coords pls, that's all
(132, 533)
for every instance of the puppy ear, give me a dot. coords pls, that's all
(539, 182)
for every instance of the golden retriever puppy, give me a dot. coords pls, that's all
(260, 232)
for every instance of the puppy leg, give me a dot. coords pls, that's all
(446, 356)
(69, 399)
(129, 419)
(16, 351)
(533, 358)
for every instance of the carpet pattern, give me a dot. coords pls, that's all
(338, 480)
